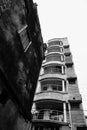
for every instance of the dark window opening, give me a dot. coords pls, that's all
(75, 106)
(41, 114)
(72, 81)
(60, 88)
(54, 87)
(58, 68)
(57, 87)
(67, 46)
(67, 54)
(69, 65)
(44, 88)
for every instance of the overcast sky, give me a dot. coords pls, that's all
(68, 18)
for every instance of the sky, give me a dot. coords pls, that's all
(68, 18)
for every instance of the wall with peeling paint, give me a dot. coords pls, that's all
(19, 69)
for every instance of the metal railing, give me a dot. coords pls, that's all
(54, 70)
(47, 114)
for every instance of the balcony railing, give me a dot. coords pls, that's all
(52, 43)
(47, 114)
(55, 49)
(54, 70)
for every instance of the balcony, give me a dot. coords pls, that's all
(55, 48)
(55, 57)
(52, 75)
(51, 95)
(49, 115)
(55, 42)
(53, 69)
(52, 62)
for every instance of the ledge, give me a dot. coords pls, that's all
(46, 76)
(52, 62)
(51, 95)
(49, 122)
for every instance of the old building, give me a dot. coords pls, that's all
(58, 103)
(21, 55)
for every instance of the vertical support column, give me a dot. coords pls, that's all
(46, 115)
(70, 115)
(62, 69)
(63, 86)
(38, 89)
(34, 107)
(34, 111)
(49, 87)
(64, 108)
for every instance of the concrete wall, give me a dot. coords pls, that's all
(10, 118)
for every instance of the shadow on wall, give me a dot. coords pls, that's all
(10, 119)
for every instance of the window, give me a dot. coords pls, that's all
(54, 87)
(72, 81)
(67, 54)
(75, 106)
(60, 88)
(58, 69)
(69, 65)
(53, 69)
(67, 46)
(25, 37)
(57, 87)
(44, 88)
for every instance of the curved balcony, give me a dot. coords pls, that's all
(54, 69)
(55, 57)
(51, 116)
(52, 62)
(52, 75)
(55, 42)
(55, 48)
(51, 95)
(47, 114)
(54, 53)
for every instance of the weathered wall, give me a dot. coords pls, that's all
(10, 119)
(19, 70)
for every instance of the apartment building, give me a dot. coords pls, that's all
(58, 102)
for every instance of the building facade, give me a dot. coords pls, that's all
(21, 55)
(58, 103)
